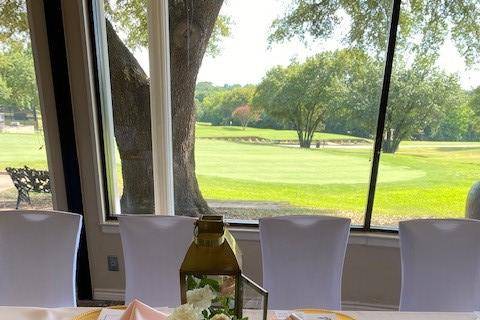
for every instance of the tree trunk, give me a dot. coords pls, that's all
(303, 139)
(306, 143)
(35, 118)
(131, 117)
(191, 24)
(390, 144)
(300, 137)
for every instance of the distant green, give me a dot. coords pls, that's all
(204, 130)
(416, 182)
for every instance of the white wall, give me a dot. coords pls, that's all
(371, 277)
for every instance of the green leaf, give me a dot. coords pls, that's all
(214, 285)
(191, 282)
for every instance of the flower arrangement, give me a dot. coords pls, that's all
(207, 299)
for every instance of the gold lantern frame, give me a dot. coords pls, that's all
(213, 252)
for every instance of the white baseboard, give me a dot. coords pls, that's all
(108, 294)
(363, 306)
(119, 295)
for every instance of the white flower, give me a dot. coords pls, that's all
(200, 298)
(184, 312)
(220, 316)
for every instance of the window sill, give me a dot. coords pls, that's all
(110, 227)
(372, 239)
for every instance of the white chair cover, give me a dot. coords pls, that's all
(440, 265)
(153, 250)
(38, 257)
(303, 259)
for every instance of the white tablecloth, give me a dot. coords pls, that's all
(16, 313)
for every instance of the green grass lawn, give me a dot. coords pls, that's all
(20, 149)
(417, 182)
(423, 179)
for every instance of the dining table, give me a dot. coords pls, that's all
(27, 313)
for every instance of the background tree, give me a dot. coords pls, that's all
(203, 89)
(455, 124)
(357, 108)
(244, 114)
(474, 101)
(474, 105)
(18, 87)
(300, 94)
(207, 100)
(13, 21)
(424, 27)
(5, 92)
(219, 105)
(418, 99)
(16, 61)
(366, 23)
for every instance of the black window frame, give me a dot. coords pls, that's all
(98, 100)
(65, 119)
(377, 148)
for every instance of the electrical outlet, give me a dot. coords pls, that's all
(112, 262)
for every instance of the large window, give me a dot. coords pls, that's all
(431, 126)
(24, 177)
(286, 122)
(360, 109)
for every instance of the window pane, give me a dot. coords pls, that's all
(285, 113)
(431, 153)
(23, 163)
(121, 41)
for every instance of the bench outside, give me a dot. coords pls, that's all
(28, 180)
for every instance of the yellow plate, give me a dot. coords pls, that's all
(340, 316)
(93, 314)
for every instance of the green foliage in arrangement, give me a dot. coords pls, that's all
(223, 302)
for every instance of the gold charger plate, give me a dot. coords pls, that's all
(93, 314)
(339, 315)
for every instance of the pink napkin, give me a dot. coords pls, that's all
(138, 310)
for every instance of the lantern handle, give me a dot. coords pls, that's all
(195, 230)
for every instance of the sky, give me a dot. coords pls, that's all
(245, 56)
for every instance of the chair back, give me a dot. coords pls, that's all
(302, 259)
(153, 250)
(440, 265)
(38, 257)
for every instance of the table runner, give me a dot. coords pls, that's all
(20, 313)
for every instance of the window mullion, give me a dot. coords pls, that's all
(382, 112)
(160, 104)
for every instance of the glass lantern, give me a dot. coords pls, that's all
(214, 259)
